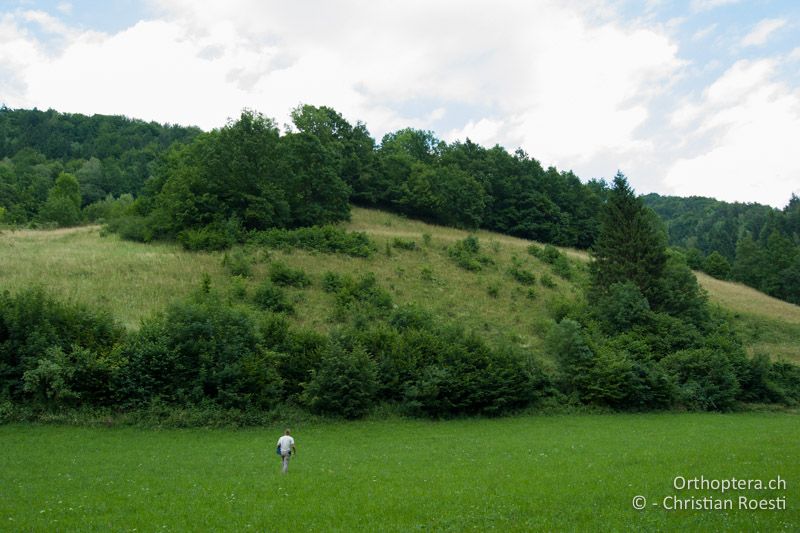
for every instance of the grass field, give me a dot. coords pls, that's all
(565, 472)
(133, 280)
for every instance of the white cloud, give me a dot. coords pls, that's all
(47, 22)
(530, 64)
(704, 32)
(707, 5)
(762, 31)
(485, 132)
(750, 123)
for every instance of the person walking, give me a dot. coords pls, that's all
(286, 448)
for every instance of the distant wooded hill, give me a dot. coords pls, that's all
(751, 243)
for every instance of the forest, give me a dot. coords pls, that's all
(750, 243)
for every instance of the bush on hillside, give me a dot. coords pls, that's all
(467, 377)
(326, 239)
(282, 274)
(237, 264)
(200, 350)
(622, 307)
(705, 379)
(717, 266)
(35, 326)
(270, 297)
(404, 244)
(554, 257)
(466, 253)
(522, 275)
(219, 235)
(362, 295)
(344, 385)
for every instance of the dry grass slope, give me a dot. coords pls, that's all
(133, 280)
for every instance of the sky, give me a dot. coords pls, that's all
(700, 97)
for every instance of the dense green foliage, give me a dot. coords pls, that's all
(108, 155)
(750, 243)
(648, 338)
(208, 188)
(327, 239)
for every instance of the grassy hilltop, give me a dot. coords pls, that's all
(133, 280)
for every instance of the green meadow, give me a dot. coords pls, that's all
(559, 472)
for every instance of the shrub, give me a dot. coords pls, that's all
(49, 381)
(547, 281)
(404, 244)
(238, 291)
(270, 297)
(130, 228)
(362, 293)
(679, 294)
(237, 264)
(344, 385)
(219, 235)
(108, 208)
(625, 376)
(33, 324)
(705, 379)
(281, 274)
(717, 266)
(561, 268)
(466, 254)
(522, 276)
(784, 380)
(200, 350)
(301, 354)
(467, 377)
(204, 239)
(665, 334)
(326, 239)
(572, 354)
(332, 282)
(411, 316)
(621, 307)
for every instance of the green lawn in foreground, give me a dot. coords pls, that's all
(576, 472)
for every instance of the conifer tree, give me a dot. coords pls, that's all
(631, 247)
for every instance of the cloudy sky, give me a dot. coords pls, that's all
(700, 97)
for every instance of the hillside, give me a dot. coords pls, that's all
(133, 280)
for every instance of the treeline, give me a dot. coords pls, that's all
(750, 243)
(108, 157)
(211, 188)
